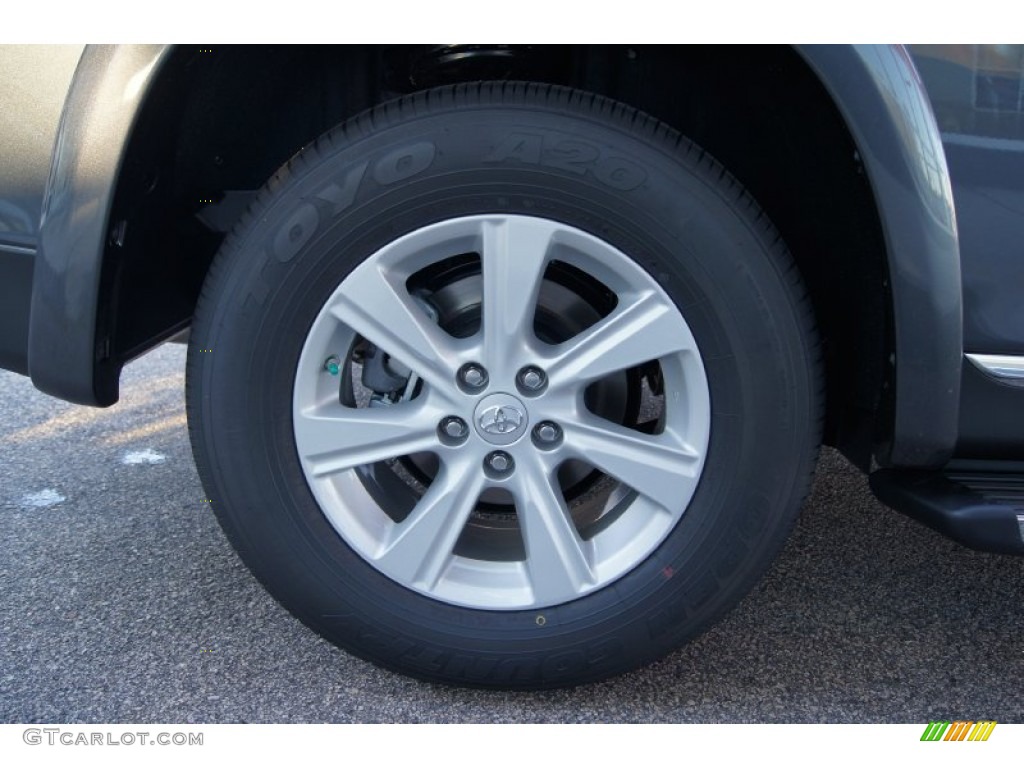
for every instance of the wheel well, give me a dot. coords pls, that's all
(219, 121)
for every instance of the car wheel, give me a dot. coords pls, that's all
(505, 385)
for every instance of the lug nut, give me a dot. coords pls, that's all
(473, 376)
(499, 462)
(547, 432)
(532, 379)
(454, 427)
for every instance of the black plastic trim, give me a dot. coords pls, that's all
(953, 508)
(16, 264)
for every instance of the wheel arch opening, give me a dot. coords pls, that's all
(220, 120)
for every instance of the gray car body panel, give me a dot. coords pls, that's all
(28, 126)
(33, 102)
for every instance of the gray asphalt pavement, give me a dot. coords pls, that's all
(122, 601)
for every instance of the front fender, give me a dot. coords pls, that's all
(64, 358)
(880, 96)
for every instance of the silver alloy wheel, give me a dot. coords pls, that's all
(340, 444)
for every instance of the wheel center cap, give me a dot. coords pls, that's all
(501, 419)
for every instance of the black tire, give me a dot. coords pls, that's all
(540, 151)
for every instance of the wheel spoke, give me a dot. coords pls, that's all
(421, 546)
(557, 559)
(332, 438)
(376, 305)
(661, 467)
(515, 254)
(643, 330)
